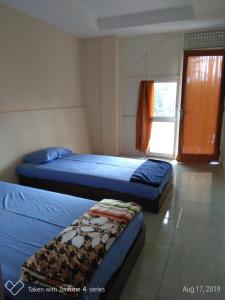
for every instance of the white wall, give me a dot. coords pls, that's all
(130, 60)
(110, 94)
(111, 74)
(156, 57)
(100, 75)
(91, 86)
(40, 89)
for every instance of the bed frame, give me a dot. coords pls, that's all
(95, 193)
(117, 282)
(119, 279)
(1, 286)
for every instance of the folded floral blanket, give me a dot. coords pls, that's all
(70, 259)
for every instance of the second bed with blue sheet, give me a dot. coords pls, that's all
(99, 176)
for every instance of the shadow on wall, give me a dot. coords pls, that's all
(9, 173)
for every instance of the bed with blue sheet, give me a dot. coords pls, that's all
(31, 218)
(98, 176)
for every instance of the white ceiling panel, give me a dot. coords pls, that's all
(81, 17)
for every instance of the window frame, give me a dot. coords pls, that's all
(168, 119)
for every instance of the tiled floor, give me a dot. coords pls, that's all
(184, 253)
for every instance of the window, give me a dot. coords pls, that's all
(164, 121)
(165, 99)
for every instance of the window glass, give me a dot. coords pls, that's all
(165, 99)
(162, 137)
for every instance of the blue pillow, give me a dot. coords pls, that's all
(45, 155)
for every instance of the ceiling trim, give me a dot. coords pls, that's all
(147, 18)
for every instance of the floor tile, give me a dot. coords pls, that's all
(200, 183)
(148, 271)
(193, 237)
(136, 295)
(170, 209)
(160, 231)
(206, 215)
(185, 242)
(185, 272)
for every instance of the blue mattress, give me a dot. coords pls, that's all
(31, 217)
(97, 171)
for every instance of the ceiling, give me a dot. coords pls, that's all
(91, 18)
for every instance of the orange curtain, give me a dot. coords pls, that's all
(201, 104)
(145, 113)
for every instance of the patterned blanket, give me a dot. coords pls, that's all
(70, 259)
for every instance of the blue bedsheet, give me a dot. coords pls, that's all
(31, 217)
(151, 172)
(98, 171)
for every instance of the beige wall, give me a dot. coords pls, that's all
(110, 94)
(49, 81)
(40, 65)
(40, 89)
(112, 71)
(100, 75)
(22, 132)
(157, 57)
(91, 87)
